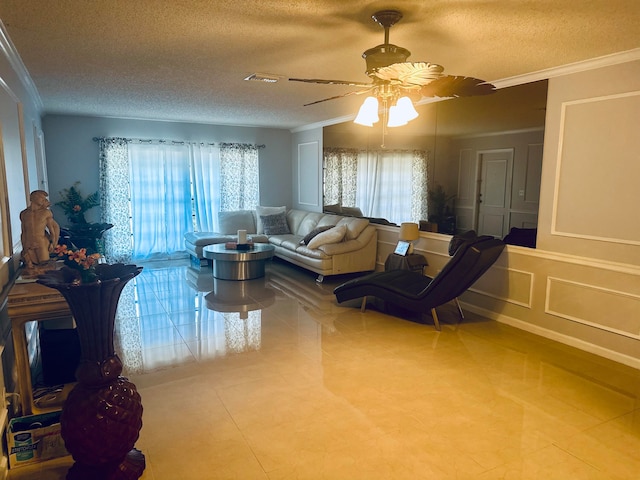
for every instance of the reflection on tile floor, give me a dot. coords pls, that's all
(271, 379)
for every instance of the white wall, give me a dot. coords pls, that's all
(306, 166)
(72, 154)
(20, 129)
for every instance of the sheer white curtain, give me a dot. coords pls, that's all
(389, 184)
(384, 180)
(205, 176)
(393, 185)
(160, 198)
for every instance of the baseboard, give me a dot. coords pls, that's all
(558, 337)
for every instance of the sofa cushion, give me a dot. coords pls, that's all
(201, 239)
(275, 224)
(333, 235)
(302, 222)
(307, 238)
(354, 226)
(262, 211)
(231, 222)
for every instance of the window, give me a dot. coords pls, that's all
(155, 192)
(377, 182)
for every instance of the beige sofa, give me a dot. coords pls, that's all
(340, 245)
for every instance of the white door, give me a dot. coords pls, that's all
(495, 194)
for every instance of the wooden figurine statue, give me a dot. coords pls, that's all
(40, 232)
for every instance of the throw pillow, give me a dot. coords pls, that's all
(354, 225)
(333, 235)
(261, 211)
(307, 238)
(275, 224)
(230, 222)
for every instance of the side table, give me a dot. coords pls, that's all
(412, 261)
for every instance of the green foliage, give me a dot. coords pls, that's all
(438, 200)
(74, 205)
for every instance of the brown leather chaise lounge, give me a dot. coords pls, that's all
(471, 258)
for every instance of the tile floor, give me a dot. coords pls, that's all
(271, 379)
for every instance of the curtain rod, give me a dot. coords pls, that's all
(378, 150)
(177, 142)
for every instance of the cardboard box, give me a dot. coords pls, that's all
(34, 438)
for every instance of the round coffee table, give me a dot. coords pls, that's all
(231, 264)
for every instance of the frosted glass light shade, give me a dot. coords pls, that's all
(368, 113)
(395, 117)
(409, 231)
(406, 107)
(401, 113)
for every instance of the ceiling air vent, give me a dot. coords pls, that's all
(263, 77)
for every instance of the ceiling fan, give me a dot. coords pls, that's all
(393, 78)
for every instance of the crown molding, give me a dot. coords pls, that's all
(11, 53)
(570, 68)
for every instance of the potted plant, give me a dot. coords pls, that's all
(82, 234)
(442, 211)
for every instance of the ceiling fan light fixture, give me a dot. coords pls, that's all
(406, 107)
(401, 113)
(395, 117)
(368, 113)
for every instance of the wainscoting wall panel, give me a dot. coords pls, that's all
(612, 310)
(507, 284)
(588, 304)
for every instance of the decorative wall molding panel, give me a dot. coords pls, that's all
(596, 169)
(603, 308)
(308, 179)
(506, 284)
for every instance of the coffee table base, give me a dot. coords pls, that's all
(243, 270)
(229, 264)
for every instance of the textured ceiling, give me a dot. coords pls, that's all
(185, 60)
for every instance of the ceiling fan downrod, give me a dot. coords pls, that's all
(385, 54)
(386, 19)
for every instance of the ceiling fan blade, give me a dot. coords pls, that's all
(456, 86)
(359, 92)
(410, 73)
(330, 82)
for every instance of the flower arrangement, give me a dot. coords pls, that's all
(74, 205)
(80, 261)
